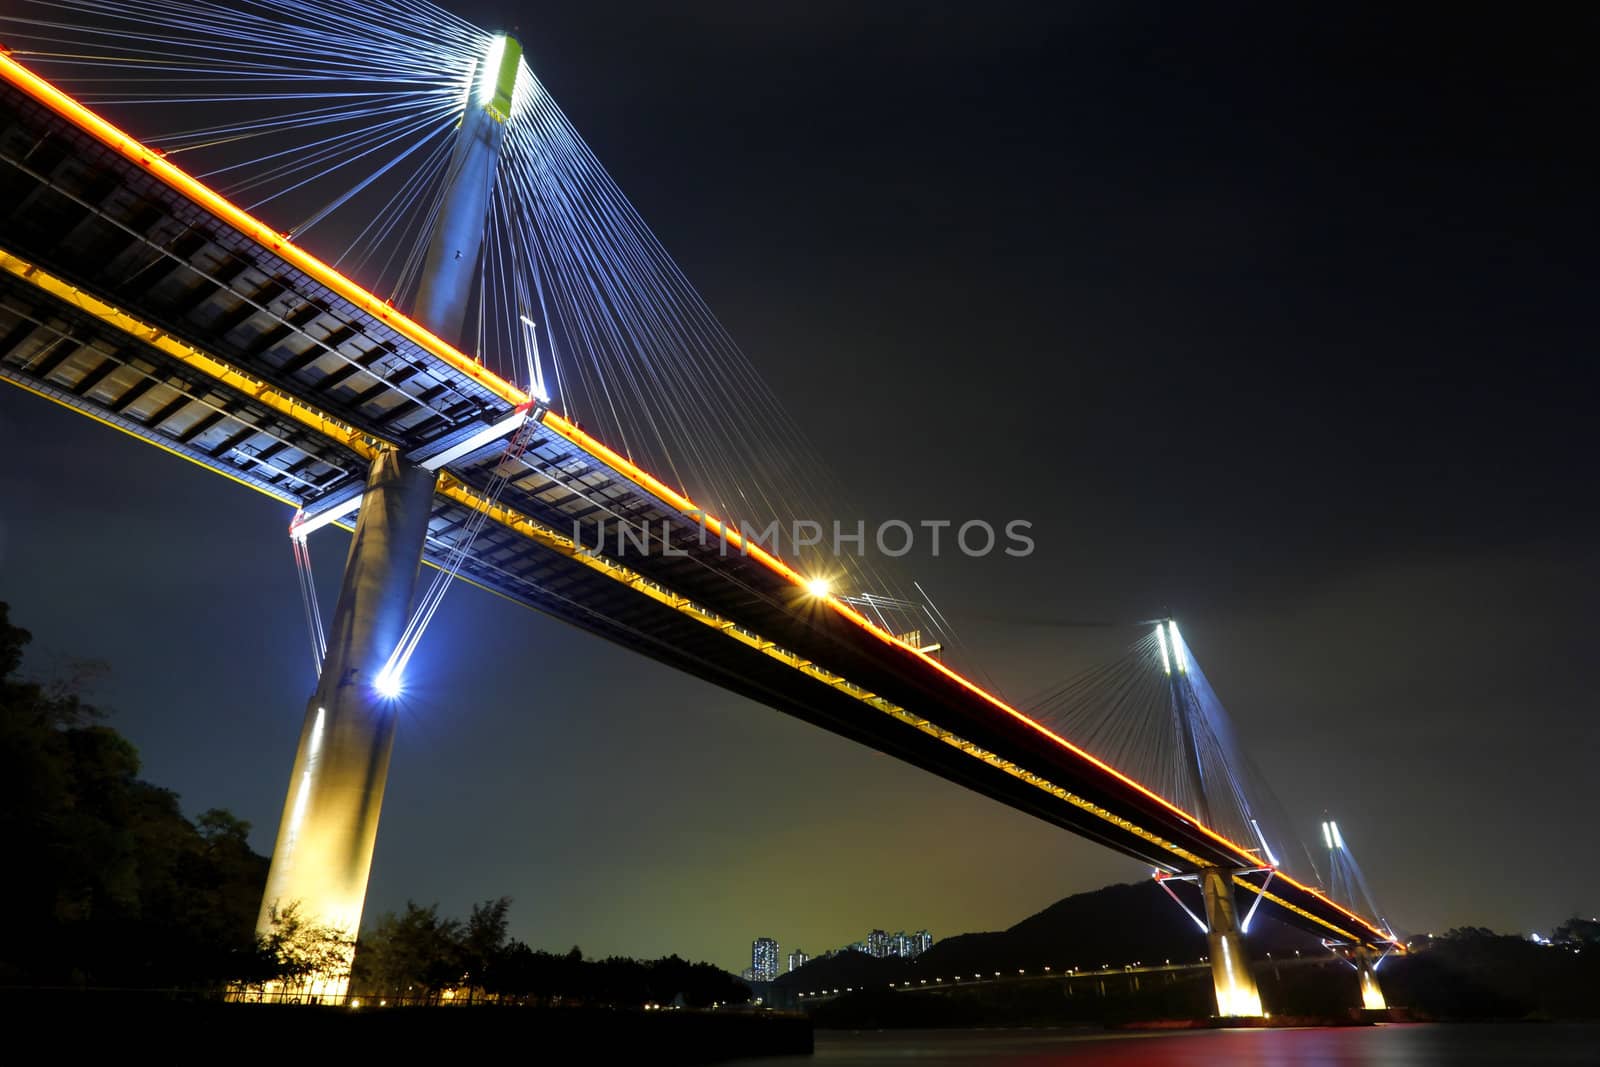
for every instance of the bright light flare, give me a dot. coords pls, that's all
(1177, 648)
(1236, 993)
(387, 685)
(536, 363)
(1371, 993)
(489, 70)
(819, 587)
(498, 77)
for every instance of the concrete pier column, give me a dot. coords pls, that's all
(330, 816)
(325, 841)
(1372, 998)
(1230, 968)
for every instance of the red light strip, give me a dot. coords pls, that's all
(247, 224)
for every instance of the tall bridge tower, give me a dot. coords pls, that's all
(1235, 986)
(323, 853)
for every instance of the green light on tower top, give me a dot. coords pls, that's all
(497, 76)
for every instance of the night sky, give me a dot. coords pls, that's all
(1273, 318)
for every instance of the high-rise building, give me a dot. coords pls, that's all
(877, 943)
(763, 959)
(797, 960)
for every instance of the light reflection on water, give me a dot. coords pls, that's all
(1531, 1044)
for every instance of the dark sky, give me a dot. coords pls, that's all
(1270, 315)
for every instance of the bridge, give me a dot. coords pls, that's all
(137, 295)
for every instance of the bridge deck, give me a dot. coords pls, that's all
(132, 294)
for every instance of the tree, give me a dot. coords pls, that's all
(303, 953)
(107, 881)
(484, 941)
(1578, 929)
(416, 954)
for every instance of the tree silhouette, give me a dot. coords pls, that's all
(107, 882)
(303, 953)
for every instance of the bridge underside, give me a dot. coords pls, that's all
(121, 297)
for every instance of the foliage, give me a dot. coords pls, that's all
(419, 955)
(412, 955)
(1586, 931)
(297, 950)
(108, 883)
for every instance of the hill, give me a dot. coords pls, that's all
(1114, 926)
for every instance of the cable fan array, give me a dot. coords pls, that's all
(1346, 882)
(1152, 714)
(334, 120)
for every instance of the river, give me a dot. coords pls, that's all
(1518, 1044)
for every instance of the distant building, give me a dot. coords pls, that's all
(878, 944)
(797, 960)
(764, 959)
(899, 945)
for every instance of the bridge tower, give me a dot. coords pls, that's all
(323, 853)
(1184, 708)
(1236, 991)
(1346, 880)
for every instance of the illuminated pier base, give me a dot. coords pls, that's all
(330, 817)
(1230, 968)
(1372, 997)
(323, 854)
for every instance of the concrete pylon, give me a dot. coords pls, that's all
(330, 816)
(1372, 998)
(323, 854)
(1181, 696)
(451, 262)
(1230, 968)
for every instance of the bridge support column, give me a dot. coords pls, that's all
(325, 840)
(1230, 968)
(1372, 998)
(330, 816)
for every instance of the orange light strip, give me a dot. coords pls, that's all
(250, 226)
(130, 148)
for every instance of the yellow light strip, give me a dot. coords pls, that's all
(289, 407)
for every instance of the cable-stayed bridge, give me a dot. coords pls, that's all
(137, 294)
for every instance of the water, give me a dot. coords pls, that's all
(1518, 1044)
